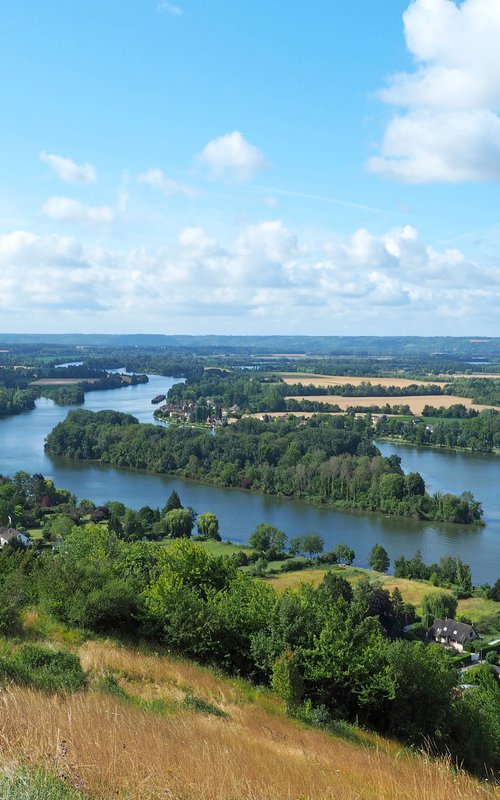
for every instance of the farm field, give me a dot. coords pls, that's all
(415, 402)
(62, 381)
(308, 378)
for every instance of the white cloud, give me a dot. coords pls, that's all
(233, 158)
(264, 271)
(170, 8)
(156, 179)
(68, 170)
(65, 209)
(450, 128)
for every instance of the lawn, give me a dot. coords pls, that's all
(215, 548)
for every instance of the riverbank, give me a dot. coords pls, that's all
(438, 447)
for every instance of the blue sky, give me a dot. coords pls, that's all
(263, 167)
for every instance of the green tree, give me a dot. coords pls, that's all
(286, 680)
(438, 605)
(173, 502)
(208, 526)
(379, 558)
(344, 553)
(312, 543)
(178, 523)
(268, 539)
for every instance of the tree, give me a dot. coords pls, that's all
(344, 553)
(415, 484)
(173, 502)
(495, 591)
(313, 543)
(439, 605)
(178, 523)
(379, 558)
(208, 526)
(287, 681)
(268, 539)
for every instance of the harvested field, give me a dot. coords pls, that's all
(307, 378)
(62, 381)
(415, 402)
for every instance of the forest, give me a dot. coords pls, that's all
(327, 459)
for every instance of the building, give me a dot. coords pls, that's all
(9, 535)
(452, 633)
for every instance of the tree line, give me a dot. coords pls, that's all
(329, 460)
(480, 433)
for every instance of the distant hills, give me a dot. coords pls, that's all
(473, 347)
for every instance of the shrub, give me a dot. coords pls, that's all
(46, 669)
(202, 706)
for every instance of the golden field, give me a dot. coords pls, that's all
(415, 402)
(308, 378)
(114, 749)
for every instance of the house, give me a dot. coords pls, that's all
(452, 633)
(9, 535)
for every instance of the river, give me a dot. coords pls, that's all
(21, 448)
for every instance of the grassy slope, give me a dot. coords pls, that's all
(118, 747)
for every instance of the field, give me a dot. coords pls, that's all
(415, 402)
(61, 381)
(307, 378)
(180, 731)
(412, 591)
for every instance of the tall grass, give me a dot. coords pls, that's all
(114, 749)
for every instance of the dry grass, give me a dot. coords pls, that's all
(115, 750)
(412, 591)
(415, 402)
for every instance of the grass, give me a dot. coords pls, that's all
(412, 591)
(215, 548)
(24, 784)
(113, 748)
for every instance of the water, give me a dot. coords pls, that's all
(21, 447)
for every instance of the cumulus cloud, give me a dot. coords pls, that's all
(448, 126)
(68, 170)
(65, 209)
(232, 157)
(264, 271)
(156, 179)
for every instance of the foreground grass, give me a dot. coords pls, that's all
(107, 746)
(23, 784)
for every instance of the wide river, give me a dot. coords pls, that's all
(21, 448)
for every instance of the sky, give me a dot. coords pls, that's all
(231, 167)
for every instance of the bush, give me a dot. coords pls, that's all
(45, 669)
(292, 565)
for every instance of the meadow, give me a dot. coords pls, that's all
(150, 726)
